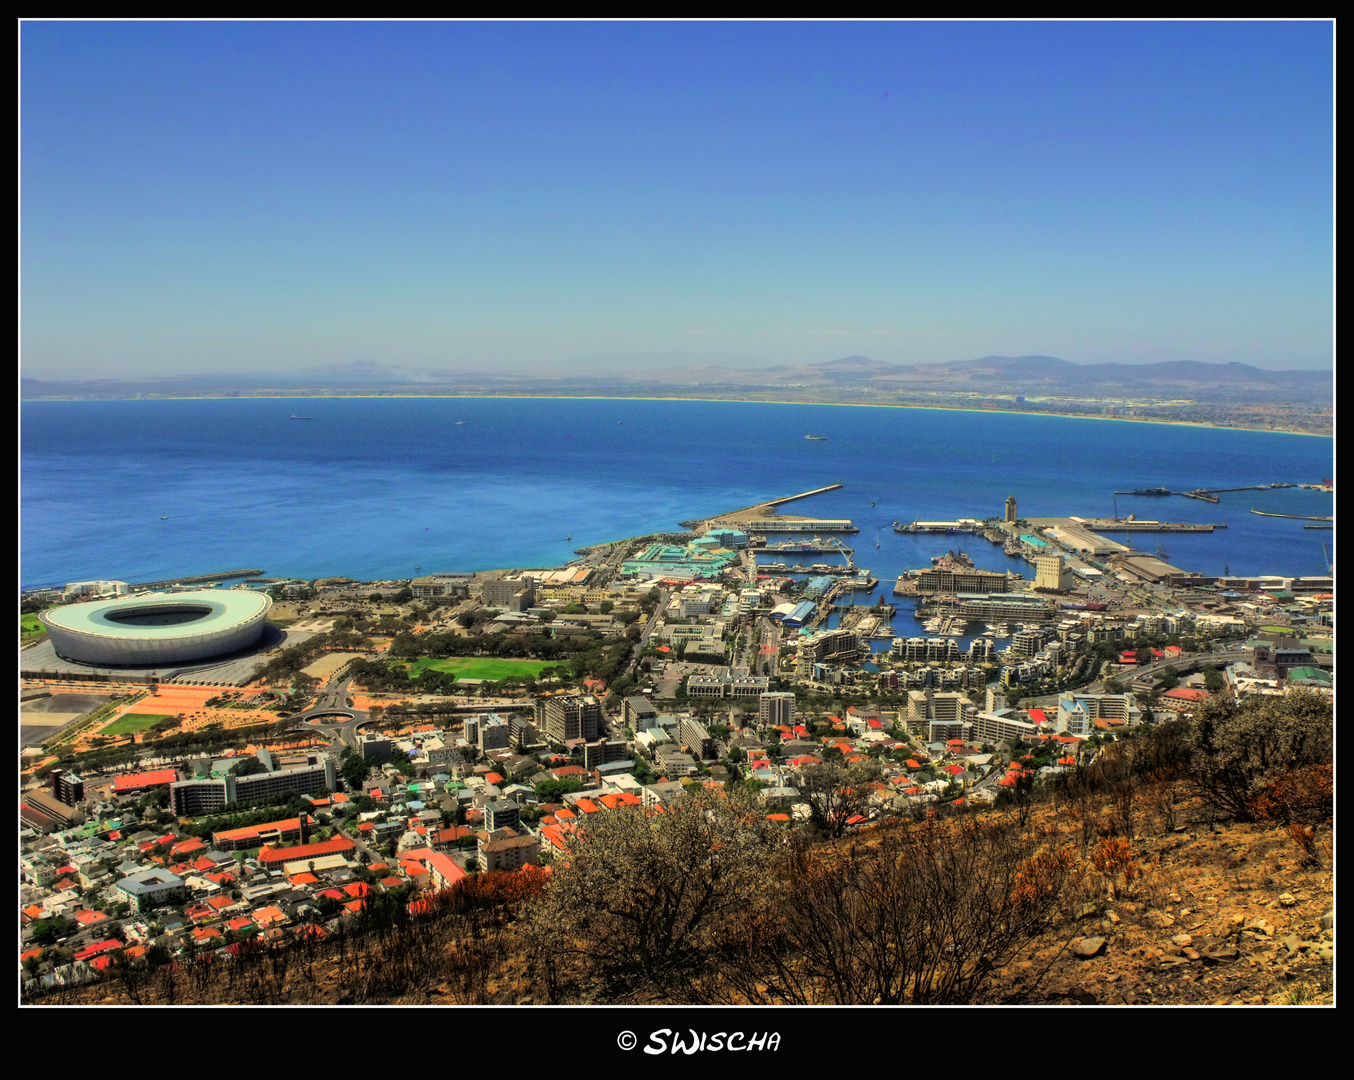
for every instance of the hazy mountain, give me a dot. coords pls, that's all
(678, 372)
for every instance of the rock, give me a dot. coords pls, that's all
(1088, 947)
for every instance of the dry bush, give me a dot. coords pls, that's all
(632, 914)
(922, 915)
(1115, 859)
(1261, 760)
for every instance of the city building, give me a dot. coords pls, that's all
(67, 787)
(192, 797)
(571, 716)
(153, 888)
(776, 709)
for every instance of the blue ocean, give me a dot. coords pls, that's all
(374, 488)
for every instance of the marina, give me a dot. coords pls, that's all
(806, 547)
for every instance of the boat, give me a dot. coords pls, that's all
(817, 438)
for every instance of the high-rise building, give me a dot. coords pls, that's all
(576, 716)
(777, 709)
(1050, 572)
(68, 787)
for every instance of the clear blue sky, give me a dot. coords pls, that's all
(262, 196)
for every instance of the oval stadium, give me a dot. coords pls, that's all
(161, 628)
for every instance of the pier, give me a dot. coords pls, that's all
(195, 579)
(801, 495)
(1292, 517)
(794, 547)
(1209, 495)
(809, 525)
(1125, 525)
(762, 517)
(963, 525)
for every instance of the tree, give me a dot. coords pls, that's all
(635, 910)
(921, 916)
(837, 793)
(1265, 758)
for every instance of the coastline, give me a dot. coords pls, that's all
(323, 396)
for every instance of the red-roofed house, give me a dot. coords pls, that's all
(1182, 699)
(274, 858)
(98, 949)
(269, 916)
(272, 832)
(144, 781)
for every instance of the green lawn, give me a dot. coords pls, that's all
(131, 723)
(477, 667)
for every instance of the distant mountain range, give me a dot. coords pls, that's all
(690, 374)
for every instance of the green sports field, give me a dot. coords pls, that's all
(132, 723)
(479, 667)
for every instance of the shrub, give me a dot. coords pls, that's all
(1261, 759)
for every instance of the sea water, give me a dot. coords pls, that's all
(380, 488)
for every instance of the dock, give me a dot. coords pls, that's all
(762, 517)
(789, 524)
(814, 546)
(1293, 517)
(963, 525)
(195, 579)
(801, 495)
(1123, 525)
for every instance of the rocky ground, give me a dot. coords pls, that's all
(1231, 917)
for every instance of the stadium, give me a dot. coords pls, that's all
(160, 628)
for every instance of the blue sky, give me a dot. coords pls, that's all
(263, 196)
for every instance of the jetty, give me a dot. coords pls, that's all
(763, 517)
(195, 579)
(1112, 525)
(963, 525)
(1293, 517)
